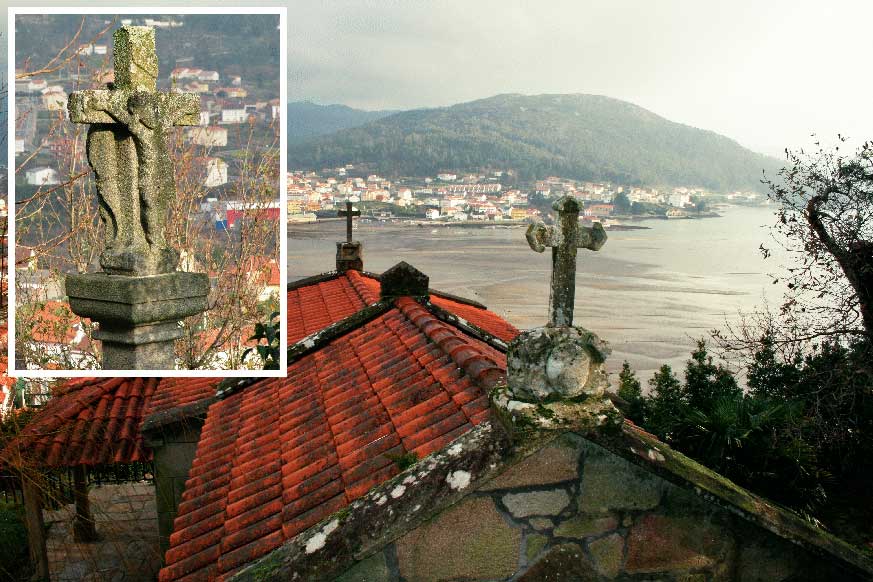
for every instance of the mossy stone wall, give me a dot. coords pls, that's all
(575, 511)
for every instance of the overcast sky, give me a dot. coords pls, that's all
(764, 73)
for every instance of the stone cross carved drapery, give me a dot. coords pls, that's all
(564, 238)
(127, 150)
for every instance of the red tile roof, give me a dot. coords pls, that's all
(313, 307)
(282, 454)
(177, 392)
(94, 421)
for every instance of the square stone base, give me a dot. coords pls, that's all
(138, 317)
(349, 255)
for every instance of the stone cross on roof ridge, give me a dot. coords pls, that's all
(349, 213)
(564, 238)
(127, 150)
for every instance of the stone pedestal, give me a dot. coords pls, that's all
(138, 316)
(349, 255)
(556, 362)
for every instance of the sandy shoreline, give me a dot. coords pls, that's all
(650, 293)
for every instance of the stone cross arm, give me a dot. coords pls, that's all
(564, 238)
(540, 236)
(95, 105)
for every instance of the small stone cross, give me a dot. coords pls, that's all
(564, 238)
(349, 212)
(127, 150)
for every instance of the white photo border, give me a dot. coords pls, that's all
(282, 13)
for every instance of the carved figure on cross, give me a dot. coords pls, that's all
(564, 238)
(350, 212)
(127, 150)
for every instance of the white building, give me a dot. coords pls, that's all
(679, 199)
(208, 136)
(447, 177)
(213, 170)
(204, 118)
(43, 176)
(432, 213)
(54, 98)
(36, 85)
(236, 114)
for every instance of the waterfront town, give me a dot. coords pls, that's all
(482, 197)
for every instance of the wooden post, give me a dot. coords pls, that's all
(35, 528)
(83, 525)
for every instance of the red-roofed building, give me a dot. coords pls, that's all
(364, 457)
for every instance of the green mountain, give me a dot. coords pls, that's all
(307, 119)
(587, 137)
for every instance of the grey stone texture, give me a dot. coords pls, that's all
(564, 238)
(611, 521)
(525, 504)
(548, 363)
(640, 490)
(349, 255)
(468, 541)
(555, 463)
(139, 298)
(404, 279)
(373, 569)
(128, 152)
(138, 316)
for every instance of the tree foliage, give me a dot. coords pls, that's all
(586, 137)
(803, 426)
(825, 222)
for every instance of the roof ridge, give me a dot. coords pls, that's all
(307, 281)
(457, 298)
(467, 327)
(431, 291)
(481, 368)
(357, 282)
(312, 342)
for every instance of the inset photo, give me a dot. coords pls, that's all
(145, 169)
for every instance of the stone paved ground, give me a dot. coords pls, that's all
(127, 550)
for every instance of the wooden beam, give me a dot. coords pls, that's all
(35, 528)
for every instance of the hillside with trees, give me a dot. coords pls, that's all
(586, 137)
(307, 119)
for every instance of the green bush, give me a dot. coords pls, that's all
(803, 426)
(14, 559)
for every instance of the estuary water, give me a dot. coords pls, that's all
(650, 293)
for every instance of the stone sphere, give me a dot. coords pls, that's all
(549, 363)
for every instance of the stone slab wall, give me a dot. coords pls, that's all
(575, 511)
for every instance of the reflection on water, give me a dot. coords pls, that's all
(650, 293)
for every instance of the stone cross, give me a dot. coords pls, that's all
(127, 150)
(349, 212)
(140, 297)
(564, 238)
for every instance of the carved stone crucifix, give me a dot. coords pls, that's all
(127, 150)
(564, 238)
(349, 212)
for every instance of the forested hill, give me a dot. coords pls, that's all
(306, 119)
(587, 137)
